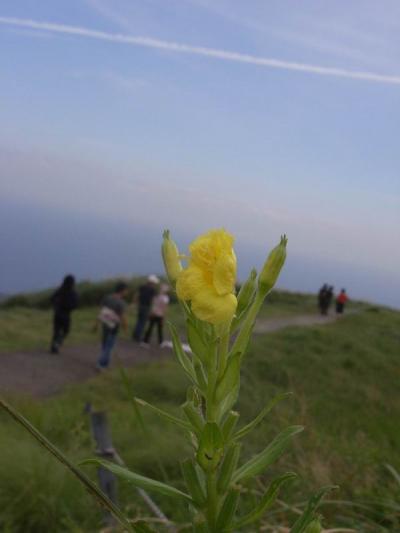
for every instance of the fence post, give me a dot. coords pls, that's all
(108, 483)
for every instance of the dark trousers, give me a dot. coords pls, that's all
(61, 327)
(155, 320)
(142, 316)
(109, 336)
(339, 308)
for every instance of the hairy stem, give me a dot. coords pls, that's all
(211, 386)
(212, 500)
(223, 350)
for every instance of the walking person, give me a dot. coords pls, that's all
(322, 298)
(329, 297)
(341, 301)
(144, 300)
(64, 300)
(111, 317)
(157, 315)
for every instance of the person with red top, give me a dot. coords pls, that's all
(341, 299)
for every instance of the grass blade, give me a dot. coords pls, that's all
(309, 512)
(91, 487)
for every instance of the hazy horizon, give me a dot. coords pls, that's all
(121, 118)
(95, 248)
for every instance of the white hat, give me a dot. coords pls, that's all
(153, 279)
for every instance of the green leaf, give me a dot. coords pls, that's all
(182, 357)
(200, 375)
(193, 484)
(195, 418)
(266, 501)
(245, 299)
(210, 448)
(91, 487)
(249, 427)
(308, 515)
(196, 342)
(228, 427)
(193, 395)
(260, 462)
(243, 338)
(228, 467)
(137, 480)
(163, 414)
(227, 512)
(228, 388)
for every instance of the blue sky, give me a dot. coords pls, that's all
(159, 113)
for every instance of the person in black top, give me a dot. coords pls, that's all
(144, 300)
(64, 301)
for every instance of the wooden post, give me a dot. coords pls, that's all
(104, 448)
(107, 480)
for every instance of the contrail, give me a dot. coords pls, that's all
(224, 55)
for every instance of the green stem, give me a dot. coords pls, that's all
(223, 350)
(212, 500)
(211, 386)
(217, 364)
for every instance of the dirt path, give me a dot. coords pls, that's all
(273, 324)
(40, 374)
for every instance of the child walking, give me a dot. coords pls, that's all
(157, 314)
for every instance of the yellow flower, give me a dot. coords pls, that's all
(209, 280)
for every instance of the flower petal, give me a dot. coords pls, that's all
(224, 275)
(210, 307)
(206, 249)
(190, 281)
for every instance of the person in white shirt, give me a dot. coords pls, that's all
(158, 311)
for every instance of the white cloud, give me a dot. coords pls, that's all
(224, 55)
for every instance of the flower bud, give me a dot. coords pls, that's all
(171, 257)
(272, 267)
(246, 292)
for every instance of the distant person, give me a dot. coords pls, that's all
(341, 301)
(111, 317)
(64, 300)
(329, 298)
(144, 300)
(322, 299)
(157, 314)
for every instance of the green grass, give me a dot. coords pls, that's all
(24, 328)
(344, 377)
(30, 327)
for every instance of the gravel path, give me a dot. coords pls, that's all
(41, 374)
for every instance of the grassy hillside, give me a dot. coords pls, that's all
(26, 319)
(344, 377)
